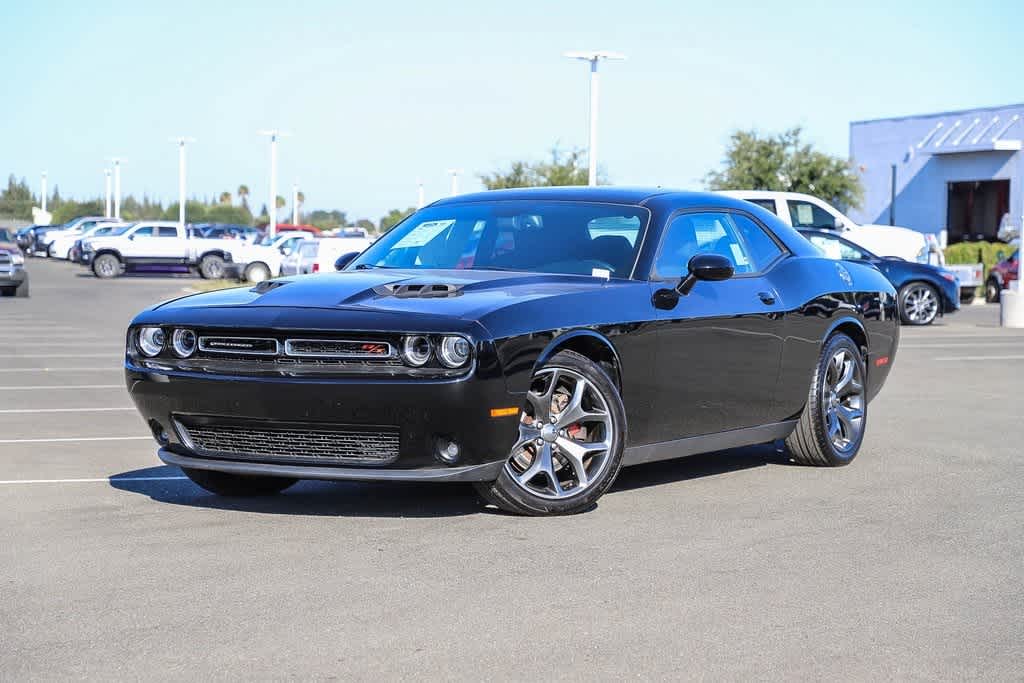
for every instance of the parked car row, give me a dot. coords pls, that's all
(13, 277)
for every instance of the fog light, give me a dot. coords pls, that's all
(159, 433)
(448, 451)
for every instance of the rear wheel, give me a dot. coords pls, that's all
(831, 426)
(211, 267)
(571, 436)
(992, 291)
(257, 272)
(51, 251)
(106, 266)
(226, 484)
(919, 304)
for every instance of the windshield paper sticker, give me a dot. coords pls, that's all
(422, 234)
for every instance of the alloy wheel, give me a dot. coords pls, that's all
(565, 439)
(843, 401)
(920, 304)
(107, 267)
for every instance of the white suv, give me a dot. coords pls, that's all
(804, 211)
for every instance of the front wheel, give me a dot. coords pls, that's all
(106, 266)
(919, 304)
(831, 426)
(992, 291)
(571, 436)
(257, 272)
(225, 484)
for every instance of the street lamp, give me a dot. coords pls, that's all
(419, 194)
(295, 203)
(593, 56)
(117, 187)
(272, 207)
(106, 183)
(454, 173)
(180, 141)
(43, 200)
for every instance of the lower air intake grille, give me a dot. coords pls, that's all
(320, 446)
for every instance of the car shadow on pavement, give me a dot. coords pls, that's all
(167, 484)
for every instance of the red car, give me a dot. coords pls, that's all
(1000, 277)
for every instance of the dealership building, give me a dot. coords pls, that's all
(961, 172)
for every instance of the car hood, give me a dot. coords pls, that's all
(369, 299)
(888, 240)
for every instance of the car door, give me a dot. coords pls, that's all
(720, 345)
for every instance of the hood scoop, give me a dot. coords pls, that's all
(267, 285)
(419, 291)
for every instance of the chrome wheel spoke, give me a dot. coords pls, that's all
(842, 399)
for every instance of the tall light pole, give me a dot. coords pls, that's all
(42, 205)
(295, 203)
(106, 183)
(593, 56)
(272, 207)
(180, 142)
(419, 194)
(117, 188)
(454, 173)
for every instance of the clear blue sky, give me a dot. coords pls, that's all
(378, 94)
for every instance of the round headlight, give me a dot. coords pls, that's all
(454, 351)
(416, 350)
(183, 342)
(151, 340)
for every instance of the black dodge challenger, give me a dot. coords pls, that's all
(532, 342)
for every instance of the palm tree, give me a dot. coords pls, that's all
(225, 198)
(243, 194)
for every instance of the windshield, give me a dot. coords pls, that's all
(120, 231)
(574, 238)
(5, 236)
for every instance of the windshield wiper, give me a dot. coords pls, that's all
(368, 266)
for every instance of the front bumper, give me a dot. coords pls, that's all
(950, 297)
(423, 411)
(13, 278)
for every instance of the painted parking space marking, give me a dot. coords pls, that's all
(43, 387)
(977, 358)
(71, 355)
(108, 368)
(91, 480)
(75, 439)
(17, 411)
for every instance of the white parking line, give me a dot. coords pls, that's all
(73, 439)
(42, 387)
(70, 355)
(955, 358)
(107, 480)
(950, 345)
(14, 411)
(65, 345)
(109, 368)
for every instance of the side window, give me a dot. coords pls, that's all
(701, 233)
(766, 204)
(145, 231)
(835, 248)
(806, 215)
(165, 231)
(763, 249)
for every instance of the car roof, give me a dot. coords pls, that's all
(578, 193)
(766, 194)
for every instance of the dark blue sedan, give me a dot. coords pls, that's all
(925, 291)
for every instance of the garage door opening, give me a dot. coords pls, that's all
(975, 208)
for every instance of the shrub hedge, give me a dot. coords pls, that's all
(989, 253)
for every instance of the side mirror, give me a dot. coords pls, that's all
(839, 225)
(345, 259)
(131, 236)
(286, 251)
(709, 267)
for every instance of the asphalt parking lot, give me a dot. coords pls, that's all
(907, 564)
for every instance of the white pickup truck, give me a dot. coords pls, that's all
(156, 243)
(806, 211)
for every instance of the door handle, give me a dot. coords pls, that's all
(767, 298)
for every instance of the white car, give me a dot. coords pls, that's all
(805, 211)
(73, 229)
(330, 248)
(263, 260)
(63, 240)
(301, 259)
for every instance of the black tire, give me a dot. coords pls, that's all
(906, 291)
(509, 495)
(810, 443)
(257, 272)
(967, 296)
(106, 266)
(240, 485)
(211, 267)
(51, 252)
(993, 291)
(8, 291)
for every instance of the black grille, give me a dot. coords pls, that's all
(5, 257)
(341, 445)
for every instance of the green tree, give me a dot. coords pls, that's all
(226, 213)
(17, 200)
(195, 211)
(785, 163)
(243, 195)
(71, 209)
(393, 217)
(560, 170)
(327, 220)
(366, 224)
(225, 198)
